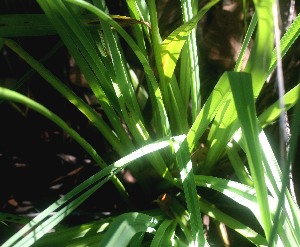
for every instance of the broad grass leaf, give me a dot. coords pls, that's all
(172, 45)
(125, 226)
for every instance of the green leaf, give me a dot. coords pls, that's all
(124, 227)
(251, 28)
(192, 73)
(172, 45)
(165, 229)
(272, 113)
(213, 212)
(217, 99)
(189, 188)
(286, 41)
(261, 52)
(241, 85)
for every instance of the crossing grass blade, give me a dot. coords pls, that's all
(254, 148)
(39, 226)
(262, 48)
(275, 183)
(22, 25)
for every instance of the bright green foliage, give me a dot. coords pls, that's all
(167, 143)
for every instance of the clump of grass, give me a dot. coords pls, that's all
(169, 139)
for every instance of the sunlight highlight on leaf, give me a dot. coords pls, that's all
(172, 45)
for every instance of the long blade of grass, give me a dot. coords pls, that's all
(241, 86)
(189, 9)
(157, 51)
(31, 72)
(171, 94)
(275, 183)
(140, 11)
(238, 166)
(10, 95)
(189, 188)
(251, 28)
(48, 224)
(261, 52)
(178, 112)
(240, 193)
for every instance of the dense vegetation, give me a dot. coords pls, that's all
(182, 113)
